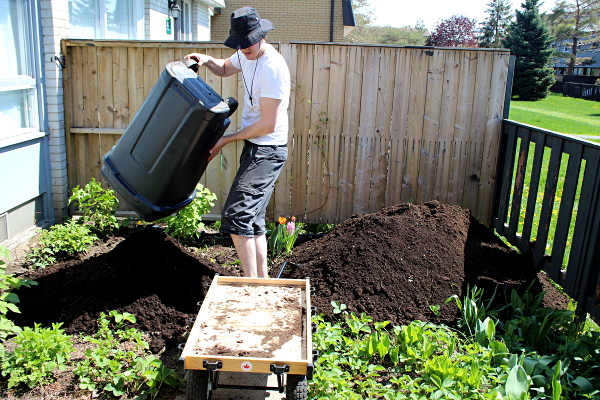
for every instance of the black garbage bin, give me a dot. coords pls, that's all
(160, 158)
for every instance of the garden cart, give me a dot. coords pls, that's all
(251, 325)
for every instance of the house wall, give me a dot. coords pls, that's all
(55, 26)
(294, 20)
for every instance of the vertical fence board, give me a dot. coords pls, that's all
(316, 195)
(417, 96)
(335, 118)
(462, 127)
(398, 125)
(450, 84)
(541, 239)
(383, 121)
(366, 133)
(348, 142)
(302, 125)
(477, 132)
(492, 127)
(431, 124)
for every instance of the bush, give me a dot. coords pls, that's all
(187, 223)
(39, 351)
(97, 205)
(117, 369)
(61, 240)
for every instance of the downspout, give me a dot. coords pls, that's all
(331, 21)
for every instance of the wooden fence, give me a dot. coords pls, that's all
(581, 91)
(549, 206)
(370, 126)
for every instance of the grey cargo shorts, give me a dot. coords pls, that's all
(246, 205)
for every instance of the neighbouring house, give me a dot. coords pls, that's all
(588, 57)
(33, 170)
(294, 20)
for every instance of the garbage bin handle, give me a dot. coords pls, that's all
(233, 105)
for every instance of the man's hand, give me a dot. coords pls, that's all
(216, 148)
(200, 58)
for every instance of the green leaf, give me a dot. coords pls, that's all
(517, 382)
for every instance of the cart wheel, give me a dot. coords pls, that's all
(198, 387)
(296, 387)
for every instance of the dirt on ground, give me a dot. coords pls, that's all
(398, 265)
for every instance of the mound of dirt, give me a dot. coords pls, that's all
(149, 274)
(393, 264)
(402, 262)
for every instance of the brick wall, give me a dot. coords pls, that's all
(294, 20)
(55, 26)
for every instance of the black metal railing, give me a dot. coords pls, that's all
(548, 204)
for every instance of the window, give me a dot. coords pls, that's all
(18, 82)
(106, 19)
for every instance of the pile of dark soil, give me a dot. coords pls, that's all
(399, 264)
(393, 265)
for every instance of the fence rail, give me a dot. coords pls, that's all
(549, 187)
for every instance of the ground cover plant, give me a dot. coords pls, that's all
(400, 265)
(559, 114)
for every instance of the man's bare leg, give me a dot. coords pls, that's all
(245, 248)
(260, 244)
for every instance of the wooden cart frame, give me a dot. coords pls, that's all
(203, 369)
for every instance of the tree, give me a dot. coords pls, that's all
(456, 31)
(574, 20)
(529, 39)
(496, 24)
(363, 16)
(365, 32)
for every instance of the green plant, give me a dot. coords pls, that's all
(37, 353)
(9, 299)
(361, 359)
(187, 223)
(98, 206)
(283, 236)
(117, 364)
(59, 240)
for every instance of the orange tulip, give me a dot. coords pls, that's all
(282, 220)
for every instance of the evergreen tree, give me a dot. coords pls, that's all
(529, 39)
(496, 24)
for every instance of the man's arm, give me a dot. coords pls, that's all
(217, 66)
(265, 125)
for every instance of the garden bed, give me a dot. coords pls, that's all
(400, 264)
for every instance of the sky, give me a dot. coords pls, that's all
(399, 13)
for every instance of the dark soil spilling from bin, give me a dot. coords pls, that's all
(396, 265)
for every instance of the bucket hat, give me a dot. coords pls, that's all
(247, 28)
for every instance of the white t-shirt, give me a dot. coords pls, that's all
(269, 76)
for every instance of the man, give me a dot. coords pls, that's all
(264, 130)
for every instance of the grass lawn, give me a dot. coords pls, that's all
(559, 114)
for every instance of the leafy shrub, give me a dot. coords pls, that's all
(544, 348)
(98, 207)
(117, 369)
(362, 359)
(60, 240)
(187, 223)
(38, 352)
(8, 299)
